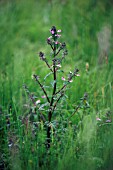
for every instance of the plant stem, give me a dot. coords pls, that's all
(54, 88)
(52, 100)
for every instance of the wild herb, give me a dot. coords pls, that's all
(54, 63)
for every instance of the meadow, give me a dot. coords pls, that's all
(83, 140)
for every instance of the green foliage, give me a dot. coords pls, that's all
(85, 143)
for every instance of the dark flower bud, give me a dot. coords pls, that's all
(65, 52)
(76, 71)
(70, 75)
(63, 45)
(41, 55)
(53, 30)
(48, 41)
(85, 95)
(36, 77)
(54, 60)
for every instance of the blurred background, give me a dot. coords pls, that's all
(87, 29)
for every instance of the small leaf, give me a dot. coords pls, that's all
(52, 83)
(60, 71)
(47, 75)
(43, 105)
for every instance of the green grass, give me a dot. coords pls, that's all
(24, 28)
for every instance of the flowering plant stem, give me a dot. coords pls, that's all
(56, 96)
(52, 99)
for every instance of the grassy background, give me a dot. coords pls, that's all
(87, 29)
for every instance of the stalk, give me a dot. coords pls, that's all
(52, 100)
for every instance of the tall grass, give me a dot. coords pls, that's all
(87, 143)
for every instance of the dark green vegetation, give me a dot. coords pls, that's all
(87, 29)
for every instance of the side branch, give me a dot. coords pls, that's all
(48, 66)
(36, 78)
(61, 89)
(74, 112)
(65, 84)
(57, 101)
(51, 46)
(58, 52)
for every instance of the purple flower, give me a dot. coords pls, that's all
(59, 31)
(52, 32)
(98, 119)
(56, 42)
(71, 81)
(108, 121)
(37, 102)
(63, 78)
(59, 65)
(43, 97)
(57, 35)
